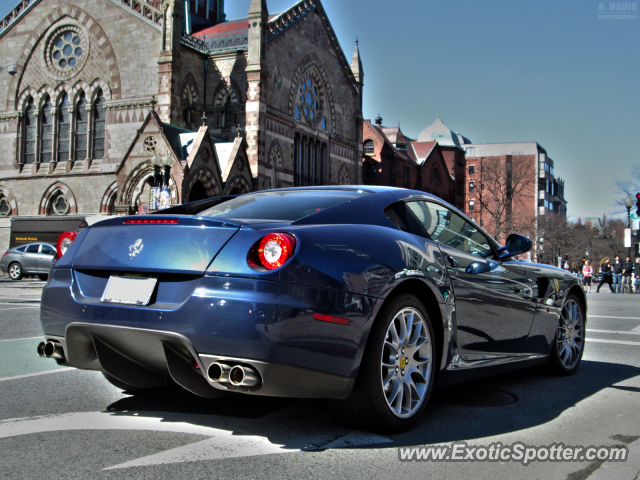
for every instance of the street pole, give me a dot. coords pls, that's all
(629, 203)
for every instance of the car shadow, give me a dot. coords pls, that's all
(491, 406)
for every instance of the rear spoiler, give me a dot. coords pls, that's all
(194, 208)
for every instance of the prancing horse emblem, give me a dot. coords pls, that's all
(136, 248)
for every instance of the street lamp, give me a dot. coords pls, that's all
(629, 203)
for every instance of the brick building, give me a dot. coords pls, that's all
(433, 163)
(92, 90)
(511, 185)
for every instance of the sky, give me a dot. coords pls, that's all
(503, 71)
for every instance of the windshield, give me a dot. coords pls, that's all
(280, 206)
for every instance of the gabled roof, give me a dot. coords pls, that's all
(223, 152)
(395, 135)
(388, 143)
(422, 150)
(180, 140)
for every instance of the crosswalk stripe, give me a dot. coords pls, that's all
(620, 342)
(632, 332)
(288, 430)
(618, 318)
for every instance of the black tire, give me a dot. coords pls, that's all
(367, 406)
(556, 365)
(15, 271)
(43, 276)
(169, 388)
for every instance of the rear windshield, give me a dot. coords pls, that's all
(280, 206)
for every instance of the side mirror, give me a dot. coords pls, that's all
(516, 245)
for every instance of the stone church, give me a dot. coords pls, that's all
(93, 92)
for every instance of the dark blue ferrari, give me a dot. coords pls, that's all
(364, 295)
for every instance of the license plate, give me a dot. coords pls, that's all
(129, 290)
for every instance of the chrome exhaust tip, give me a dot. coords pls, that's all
(219, 372)
(55, 351)
(243, 376)
(40, 349)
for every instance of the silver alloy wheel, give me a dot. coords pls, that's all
(406, 362)
(15, 271)
(570, 333)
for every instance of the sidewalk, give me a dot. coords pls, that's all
(629, 470)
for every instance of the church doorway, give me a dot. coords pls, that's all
(198, 192)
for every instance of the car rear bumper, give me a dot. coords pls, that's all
(266, 325)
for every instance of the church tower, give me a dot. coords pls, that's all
(169, 59)
(256, 107)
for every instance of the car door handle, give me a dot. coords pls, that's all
(452, 261)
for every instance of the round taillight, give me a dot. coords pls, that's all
(275, 249)
(64, 242)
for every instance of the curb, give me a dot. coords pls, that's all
(629, 470)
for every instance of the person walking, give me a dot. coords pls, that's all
(636, 275)
(616, 269)
(627, 272)
(587, 271)
(605, 270)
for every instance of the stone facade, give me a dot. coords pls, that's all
(92, 80)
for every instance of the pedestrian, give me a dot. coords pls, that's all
(616, 268)
(605, 270)
(587, 271)
(627, 272)
(636, 274)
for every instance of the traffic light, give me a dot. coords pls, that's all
(638, 204)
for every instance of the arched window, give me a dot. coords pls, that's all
(99, 116)
(227, 117)
(82, 116)
(59, 204)
(369, 148)
(64, 129)
(5, 206)
(435, 176)
(46, 133)
(30, 127)
(187, 112)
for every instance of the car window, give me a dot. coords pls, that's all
(280, 206)
(21, 249)
(447, 227)
(48, 250)
(33, 248)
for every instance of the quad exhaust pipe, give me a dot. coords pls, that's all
(51, 350)
(238, 375)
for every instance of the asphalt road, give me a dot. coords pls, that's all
(64, 423)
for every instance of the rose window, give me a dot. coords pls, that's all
(67, 50)
(309, 105)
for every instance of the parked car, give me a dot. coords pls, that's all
(366, 296)
(30, 259)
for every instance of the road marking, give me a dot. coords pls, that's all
(632, 332)
(19, 308)
(620, 342)
(19, 357)
(286, 431)
(606, 316)
(25, 338)
(26, 375)
(38, 298)
(17, 303)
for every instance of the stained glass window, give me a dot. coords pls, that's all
(30, 128)
(67, 50)
(99, 116)
(64, 129)
(46, 132)
(82, 117)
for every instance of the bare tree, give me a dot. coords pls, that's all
(507, 187)
(628, 186)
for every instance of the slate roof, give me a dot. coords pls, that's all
(180, 140)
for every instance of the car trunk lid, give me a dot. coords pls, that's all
(188, 245)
